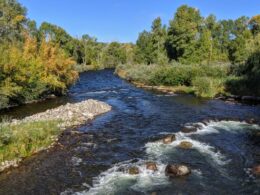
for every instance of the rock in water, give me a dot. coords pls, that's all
(177, 170)
(169, 139)
(151, 166)
(189, 129)
(133, 171)
(256, 170)
(185, 145)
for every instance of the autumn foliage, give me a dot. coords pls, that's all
(31, 66)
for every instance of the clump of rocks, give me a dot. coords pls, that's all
(7, 164)
(70, 115)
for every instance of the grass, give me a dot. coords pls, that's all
(23, 140)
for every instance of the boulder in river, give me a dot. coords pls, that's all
(205, 121)
(169, 139)
(256, 170)
(151, 166)
(185, 145)
(133, 171)
(189, 129)
(177, 170)
(251, 121)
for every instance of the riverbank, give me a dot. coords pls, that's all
(22, 138)
(182, 89)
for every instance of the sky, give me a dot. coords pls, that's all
(123, 20)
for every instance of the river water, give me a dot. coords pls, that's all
(96, 162)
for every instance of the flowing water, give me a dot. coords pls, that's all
(96, 161)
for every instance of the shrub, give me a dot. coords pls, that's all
(208, 87)
(171, 76)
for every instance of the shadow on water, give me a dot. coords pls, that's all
(138, 117)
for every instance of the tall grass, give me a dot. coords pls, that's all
(22, 140)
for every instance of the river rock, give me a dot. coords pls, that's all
(133, 171)
(151, 166)
(70, 114)
(205, 121)
(185, 145)
(251, 121)
(177, 170)
(189, 129)
(256, 170)
(169, 139)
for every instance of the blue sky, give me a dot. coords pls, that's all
(123, 20)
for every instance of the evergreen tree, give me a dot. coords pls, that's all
(183, 34)
(158, 36)
(144, 48)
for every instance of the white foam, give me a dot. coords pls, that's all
(158, 149)
(215, 127)
(203, 129)
(115, 180)
(233, 126)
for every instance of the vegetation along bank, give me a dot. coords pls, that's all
(198, 55)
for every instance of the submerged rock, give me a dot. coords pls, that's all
(151, 166)
(177, 170)
(185, 145)
(205, 121)
(133, 171)
(251, 121)
(169, 139)
(256, 170)
(189, 129)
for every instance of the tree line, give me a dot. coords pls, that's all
(190, 38)
(202, 43)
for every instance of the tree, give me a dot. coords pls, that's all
(206, 46)
(12, 20)
(158, 38)
(113, 55)
(144, 48)
(58, 36)
(255, 24)
(183, 34)
(91, 52)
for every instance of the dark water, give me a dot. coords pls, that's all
(92, 162)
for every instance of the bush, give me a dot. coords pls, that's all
(171, 76)
(246, 77)
(208, 87)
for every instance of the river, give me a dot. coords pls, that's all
(222, 154)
